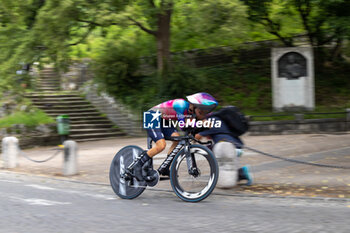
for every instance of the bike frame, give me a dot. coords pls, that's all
(184, 143)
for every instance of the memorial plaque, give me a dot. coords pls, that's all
(292, 79)
(292, 65)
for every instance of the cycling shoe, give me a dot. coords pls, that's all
(152, 178)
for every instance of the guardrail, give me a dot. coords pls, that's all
(297, 123)
(301, 116)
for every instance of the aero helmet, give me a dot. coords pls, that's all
(203, 101)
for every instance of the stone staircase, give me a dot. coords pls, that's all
(48, 81)
(86, 122)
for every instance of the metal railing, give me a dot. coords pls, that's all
(301, 116)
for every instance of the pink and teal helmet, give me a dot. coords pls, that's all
(203, 101)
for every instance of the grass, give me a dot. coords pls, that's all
(29, 119)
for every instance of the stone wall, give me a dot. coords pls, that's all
(299, 126)
(118, 113)
(42, 135)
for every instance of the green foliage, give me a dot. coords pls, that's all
(59, 31)
(209, 23)
(323, 21)
(30, 119)
(115, 68)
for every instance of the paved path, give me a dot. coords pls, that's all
(35, 204)
(272, 176)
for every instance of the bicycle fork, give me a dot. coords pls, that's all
(191, 162)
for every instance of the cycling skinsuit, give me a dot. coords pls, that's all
(171, 110)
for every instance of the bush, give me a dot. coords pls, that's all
(114, 68)
(30, 119)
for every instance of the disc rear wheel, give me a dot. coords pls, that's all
(125, 188)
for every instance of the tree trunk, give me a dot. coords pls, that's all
(336, 52)
(163, 40)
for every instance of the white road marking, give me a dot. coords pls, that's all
(47, 188)
(10, 181)
(40, 187)
(98, 196)
(34, 201)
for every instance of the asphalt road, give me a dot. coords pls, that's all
(38, 204)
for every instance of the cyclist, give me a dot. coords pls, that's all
(227, 149)
(197, 105)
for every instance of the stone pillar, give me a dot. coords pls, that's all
(293, 79)
(10, 152)
(348, 114)
(70, 160)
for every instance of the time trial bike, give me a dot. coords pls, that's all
(193, 170)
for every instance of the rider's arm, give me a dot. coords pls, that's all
(180, 106)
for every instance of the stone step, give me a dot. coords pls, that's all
(91, 126)
(48, 79)
(48, 72)
(53, 94)
(72, 111)
(47, 82)
(121, 125)
(46, 106)
(47, 88)
(77, 137)
(47, 85)
(93, 131)
(84, 115)
(95, 120)
(51, 79)
(58, 99)
(74, 93)
(54, 103)
(48, 69)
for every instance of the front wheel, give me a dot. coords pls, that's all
(194, 187)
(125, 188)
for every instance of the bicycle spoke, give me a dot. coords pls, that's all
(195, 188)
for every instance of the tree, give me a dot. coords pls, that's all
(16, 22)
(323, 21)
(262, 12)
(72, 21)
(158, 16)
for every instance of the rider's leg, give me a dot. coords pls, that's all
(158, 137)
(157, 148)
(165, 170)
(175, 134)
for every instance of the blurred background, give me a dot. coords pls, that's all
(144, 52)
(94, 65)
